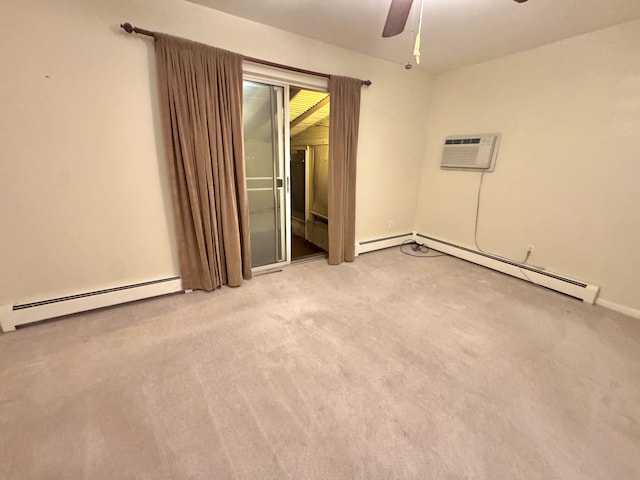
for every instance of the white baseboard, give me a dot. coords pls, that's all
(569, 286)
(13, 315)
(380, 243)
(632, 312)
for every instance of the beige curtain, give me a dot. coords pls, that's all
(200, 90)
(343, 145)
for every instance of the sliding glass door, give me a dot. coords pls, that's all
(267, 180)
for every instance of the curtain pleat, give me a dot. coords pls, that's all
(343, 150)
(200, 90)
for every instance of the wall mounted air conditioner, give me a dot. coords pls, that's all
(470, 152)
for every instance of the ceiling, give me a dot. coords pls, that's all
(455, 33)
(307, 108)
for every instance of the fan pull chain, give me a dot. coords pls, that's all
(416, 48)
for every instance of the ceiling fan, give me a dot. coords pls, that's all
(397, 20)
(398, 15)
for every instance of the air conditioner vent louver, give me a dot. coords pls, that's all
(461, 141)
(470, 152)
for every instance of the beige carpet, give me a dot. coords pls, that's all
(388, 368)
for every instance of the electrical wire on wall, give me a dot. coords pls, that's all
(475, 240)
(475, 231)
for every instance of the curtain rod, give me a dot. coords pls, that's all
(127, 27)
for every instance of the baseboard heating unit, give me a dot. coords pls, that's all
(12, 316)
(574, 288)
(380, 243)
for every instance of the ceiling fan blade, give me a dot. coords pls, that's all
(397, 17)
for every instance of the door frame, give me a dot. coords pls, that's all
(284, 218)
(283, 78)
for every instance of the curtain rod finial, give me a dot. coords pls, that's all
(127, 27)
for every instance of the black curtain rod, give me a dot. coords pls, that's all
(127, 27)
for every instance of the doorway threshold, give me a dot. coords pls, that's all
(310, 258)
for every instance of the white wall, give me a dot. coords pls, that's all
(568, 171)
(83, 190)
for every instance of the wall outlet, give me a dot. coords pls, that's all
(390, 224)
(530, 248)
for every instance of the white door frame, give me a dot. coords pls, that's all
(283, 78)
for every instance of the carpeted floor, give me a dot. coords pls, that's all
(391, 367)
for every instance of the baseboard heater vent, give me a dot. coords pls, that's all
(575, 288)
(20, 314)
(384, 242)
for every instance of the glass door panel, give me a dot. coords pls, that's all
(263, 110)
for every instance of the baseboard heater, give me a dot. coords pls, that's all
(384, 242)
(575, 288)
(12, 316)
